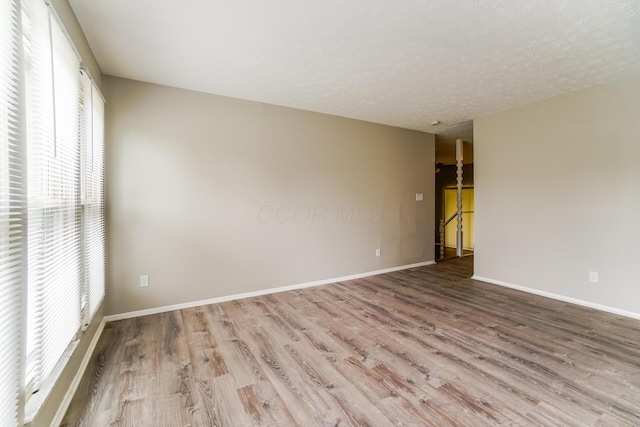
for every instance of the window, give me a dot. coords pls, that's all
(53, 176)
(51, 228)
(92, 197)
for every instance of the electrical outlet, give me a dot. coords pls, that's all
(593, 277)
(377, 252)
(144, 281)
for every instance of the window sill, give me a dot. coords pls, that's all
(36, 401)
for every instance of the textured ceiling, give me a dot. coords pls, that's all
(405, 63)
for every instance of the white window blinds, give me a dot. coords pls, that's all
(12, 216)
(92, 193)
(51, 201)
(55, 258)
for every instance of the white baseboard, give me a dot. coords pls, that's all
(71, 391)
(155, 310)
(558, 297)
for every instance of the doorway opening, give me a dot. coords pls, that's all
(450, 198)
(454, 170)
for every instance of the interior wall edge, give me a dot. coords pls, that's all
(172, 307)
(559, 297)
(71, 391)
(62, 391)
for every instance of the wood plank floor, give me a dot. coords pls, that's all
(420, 347)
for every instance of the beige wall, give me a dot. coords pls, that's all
(558, 195)
(213, 196)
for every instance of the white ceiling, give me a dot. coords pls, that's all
(405, 63)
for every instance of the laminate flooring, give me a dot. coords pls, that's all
(420, 347)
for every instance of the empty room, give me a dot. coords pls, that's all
(296, 213)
